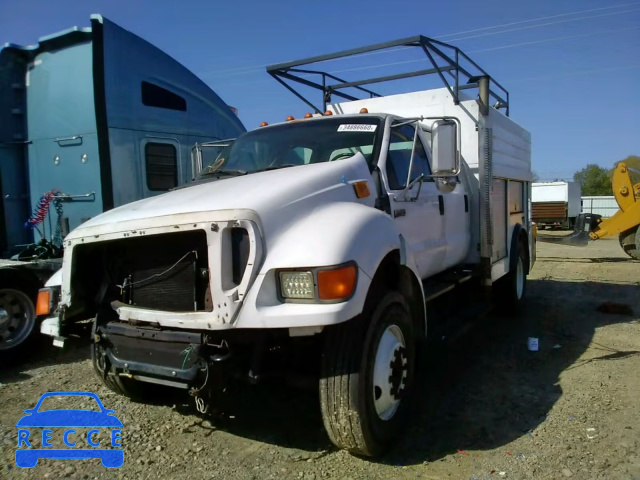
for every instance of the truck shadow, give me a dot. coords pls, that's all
(41, 352)
(483, 390)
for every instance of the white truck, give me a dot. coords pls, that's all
(319, 241)
(556, 204)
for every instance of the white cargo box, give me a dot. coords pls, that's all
(568, 192)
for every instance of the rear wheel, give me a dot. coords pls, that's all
(512, 288)
(368, 366)
(630, 242)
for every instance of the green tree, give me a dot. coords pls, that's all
(594, 180)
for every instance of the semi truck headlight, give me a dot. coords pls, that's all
(297, 285)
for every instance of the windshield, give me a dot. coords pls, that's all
(299, 143)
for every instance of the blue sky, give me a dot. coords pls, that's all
(571, 67)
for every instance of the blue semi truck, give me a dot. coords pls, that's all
(90, 119)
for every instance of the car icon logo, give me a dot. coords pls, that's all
(69, 419)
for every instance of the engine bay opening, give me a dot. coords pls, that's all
(168, 272)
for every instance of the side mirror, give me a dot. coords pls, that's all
(444, 148)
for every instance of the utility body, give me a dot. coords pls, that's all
(317, 245)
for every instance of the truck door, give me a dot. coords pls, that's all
(420, 222)
(457, 230)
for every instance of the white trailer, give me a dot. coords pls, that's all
(556, 203)
(604, 205)
(317, 245)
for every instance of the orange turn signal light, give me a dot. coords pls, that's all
(43, 303)
(337, 284)
(362, 189)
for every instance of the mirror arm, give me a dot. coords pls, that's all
(421, 180)
(408, 183)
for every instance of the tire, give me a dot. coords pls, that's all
(367, 373)
(630, 242)
(17, 321)
(512, 288)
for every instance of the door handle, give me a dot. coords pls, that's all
(441, 204)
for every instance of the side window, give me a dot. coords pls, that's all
(161, 163)
(399, 157)
(156, 96)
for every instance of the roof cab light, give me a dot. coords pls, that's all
(308, 115)
(264, 124)
(290, 118)
(338, 283)
(364, 110)
(328, 112)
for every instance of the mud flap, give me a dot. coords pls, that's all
(585, 224)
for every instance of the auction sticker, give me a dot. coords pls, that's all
(357, 128)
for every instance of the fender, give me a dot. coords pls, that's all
(333, 234)
(329, 235)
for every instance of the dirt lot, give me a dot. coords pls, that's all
(489, 408)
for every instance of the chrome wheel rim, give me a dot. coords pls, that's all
(17, 318)
(389, 372)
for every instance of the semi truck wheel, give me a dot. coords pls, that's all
(512, 288)
(17, 321)
(630, 242)
(368, 366)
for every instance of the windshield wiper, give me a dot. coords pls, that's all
(277, 167)
(233, 173)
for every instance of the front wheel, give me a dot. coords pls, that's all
(630, 242)
(368, 366)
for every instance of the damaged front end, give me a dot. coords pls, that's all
(160, 294)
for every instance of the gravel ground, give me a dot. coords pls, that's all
(488, 408)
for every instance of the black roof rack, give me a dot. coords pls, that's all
(444, 59)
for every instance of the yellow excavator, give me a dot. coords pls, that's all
(625, 223)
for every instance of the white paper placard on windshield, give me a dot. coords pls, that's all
(357, 128)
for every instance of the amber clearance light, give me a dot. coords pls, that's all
(362, 189)
(43, 304)
(337, 284)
